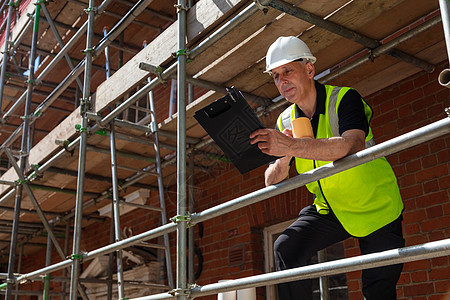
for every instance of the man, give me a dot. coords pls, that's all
(363, 202)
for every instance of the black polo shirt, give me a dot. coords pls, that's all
(350, 111)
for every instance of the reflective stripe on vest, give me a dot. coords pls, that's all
(364, 198)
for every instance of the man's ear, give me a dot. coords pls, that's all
(310, 69)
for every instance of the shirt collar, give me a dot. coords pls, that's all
(320, 102)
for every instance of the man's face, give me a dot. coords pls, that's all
(292, 79)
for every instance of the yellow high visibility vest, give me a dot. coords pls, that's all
(363, 198)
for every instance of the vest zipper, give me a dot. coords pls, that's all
(321, 190)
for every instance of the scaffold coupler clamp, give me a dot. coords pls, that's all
(36, 174)
(181, 292)
(79, 256)
(96, 118)
(80, 129)
(263, 7)
(184, 52)
(179, 218)
(65, 145)
(180, 7)
(89, 9)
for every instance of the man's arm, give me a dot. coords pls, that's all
(272, 142)
(277, 171)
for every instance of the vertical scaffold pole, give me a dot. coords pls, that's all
(84, 107)
(444, 5)
(107, 63)
(48, 262)
(181, 153)
(162, 201)
(19, 268)
(116, 210)
(24, 152)
(6, 52)
(191, 245)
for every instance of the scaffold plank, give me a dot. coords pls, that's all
(160, 50)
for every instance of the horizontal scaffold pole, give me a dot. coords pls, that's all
(374, 260)
(413, 138)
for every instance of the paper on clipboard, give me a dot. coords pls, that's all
(229, 122)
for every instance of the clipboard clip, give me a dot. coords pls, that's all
(233, 92)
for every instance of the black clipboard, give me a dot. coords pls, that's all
(229, 122)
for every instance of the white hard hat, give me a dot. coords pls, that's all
(285, 50)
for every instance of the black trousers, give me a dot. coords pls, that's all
(312, 232)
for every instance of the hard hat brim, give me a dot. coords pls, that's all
(286, 61)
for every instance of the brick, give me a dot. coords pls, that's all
(411, 229)
(414, 216)
(443, 287)
(435, 112)
(414, 152)
(429, 161)
(439, 273)
(406, 87)
(431, 186)
(405, 110)
(406, 98)
(435, 224)
(410, 204)
(421, 81)
(386, 106)
(418, 289)
(413, 165)
(416, 240)
(421, 104)
(435, 211)
(443, 156)
(444, 182)
(432, 199)
(433, 172)
(419, 276)
(411, 191)
(406, 180)
(437, 145)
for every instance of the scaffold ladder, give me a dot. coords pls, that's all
(154, 129)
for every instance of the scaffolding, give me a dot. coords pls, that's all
(92, 122)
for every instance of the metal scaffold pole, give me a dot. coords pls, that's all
(410, 139)
(116, 211)
(6, 52)
(181, 154)
(25, 147)
(155, 130)
(444, 76)
(77, 256)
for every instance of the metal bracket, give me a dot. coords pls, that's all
(65, 144)
(153, 128)
(180, 218)
(371, 55)
(80, 129)
(184, 52)
(263, 8)
(181, 292)
(89, 9)
(181, 7)
(79, 256)
(87, 50)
